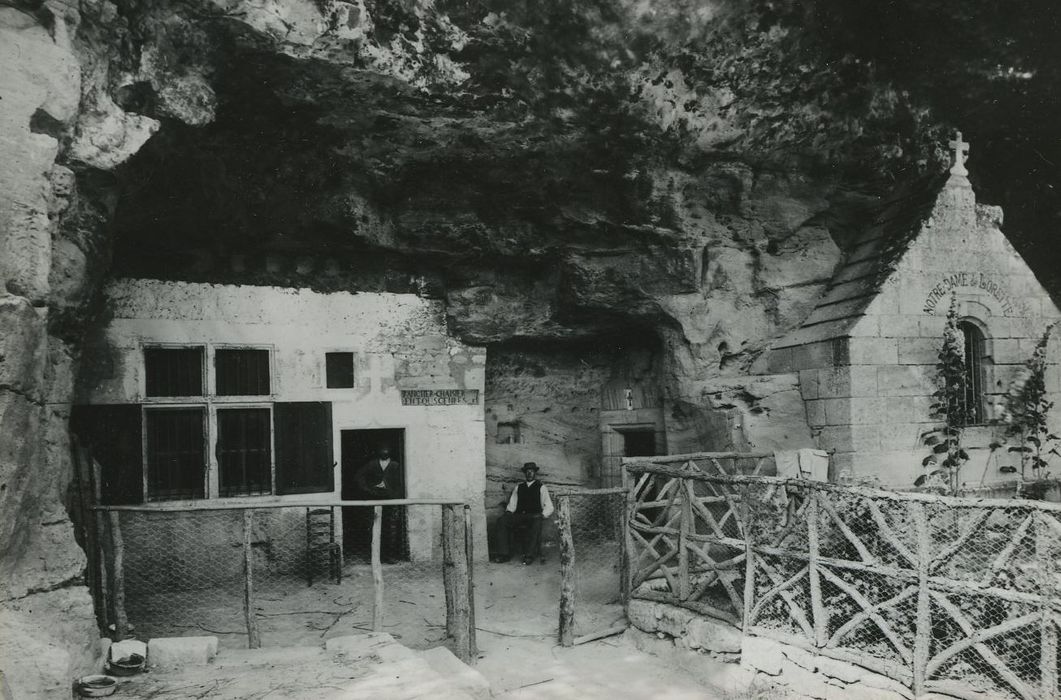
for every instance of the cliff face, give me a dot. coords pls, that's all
(688, 173)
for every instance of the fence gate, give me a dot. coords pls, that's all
(590, 525)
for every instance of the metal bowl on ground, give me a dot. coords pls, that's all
(126, 666)
(96, 686)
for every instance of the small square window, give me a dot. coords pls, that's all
(339, 370)
(173, 371)
(242, 372)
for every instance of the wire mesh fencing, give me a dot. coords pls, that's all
(591, 531)
(946, 595)
(291, 575)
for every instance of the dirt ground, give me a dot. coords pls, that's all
(512, 597)
(516, 620)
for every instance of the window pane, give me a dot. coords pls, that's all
(174, 371)
(242, 372)
(339, 367)
(974, 373)
(243, 451)
(175, 454)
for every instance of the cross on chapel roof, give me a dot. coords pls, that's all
(961, 151)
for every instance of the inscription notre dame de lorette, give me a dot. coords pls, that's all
(978, 280)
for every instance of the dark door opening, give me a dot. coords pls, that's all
(358, 448)
(639, 443)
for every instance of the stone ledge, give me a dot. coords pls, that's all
(172, 653)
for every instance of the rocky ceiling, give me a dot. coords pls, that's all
(556, 168)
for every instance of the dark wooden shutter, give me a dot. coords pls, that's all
(303, 433)
(114, 435)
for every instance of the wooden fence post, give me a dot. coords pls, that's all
(457, 582)
(626, 564)
(818, 615)
(377, 570)
(1047, 592)
(86, 499)
(749, 560)
(567, 572)
(685, 521)
(116, 576)
(469, 551)
(923, 620)
(254, 640)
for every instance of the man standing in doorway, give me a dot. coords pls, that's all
(529, 505)
(381, 479)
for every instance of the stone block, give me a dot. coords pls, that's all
(456, 672)
(837, 411)
(850, 438)
(711, 635)
(907, 409)
(873, 351)
(808, 384)
(866, 411)
(896, 326)
(761, 654)
(1005, 350)
(902, 436)
(171, 653)
(931, 326)
(919, 351)
(816, 413)
(905, 380)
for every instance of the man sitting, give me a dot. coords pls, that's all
(528, 506)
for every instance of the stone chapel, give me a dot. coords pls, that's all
(866, 355)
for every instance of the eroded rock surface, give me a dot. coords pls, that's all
(684, 176)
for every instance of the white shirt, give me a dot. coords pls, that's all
(547, 502)
(383, 464)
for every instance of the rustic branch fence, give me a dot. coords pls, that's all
(950, 595)
(169, 569)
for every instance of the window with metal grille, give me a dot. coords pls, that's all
(176, 453)
(974, 372)
(242, 372)
(173, 371)
(339, 370)
(244, 451)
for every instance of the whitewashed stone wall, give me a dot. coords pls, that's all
(399, 342)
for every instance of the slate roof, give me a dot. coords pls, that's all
(868, 263)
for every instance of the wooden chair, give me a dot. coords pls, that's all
(321, 548)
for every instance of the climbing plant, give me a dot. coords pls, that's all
(942, 467)
(1026, 409)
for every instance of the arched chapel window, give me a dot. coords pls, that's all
(975, 359)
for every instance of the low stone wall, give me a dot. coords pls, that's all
(780, 665)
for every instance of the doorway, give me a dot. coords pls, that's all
(639, 443)
(358, 447)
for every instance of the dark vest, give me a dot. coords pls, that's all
(529, 497)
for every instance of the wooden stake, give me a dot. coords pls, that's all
(626, 562)
(923, 619)
(684, 524)
(102, 548)
(116, 577)
(457, 582)
(469, 549)
(610, 632)
(567, 572)
(749, 559)
(83, 472)
(254, 640)
(819, 617)
(377, 570)
(1047, 593)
